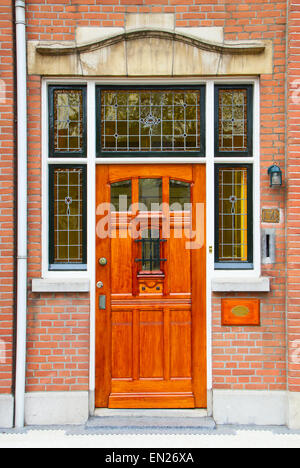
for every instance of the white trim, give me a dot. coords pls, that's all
(91, 232)
(261, 284)
(91, 161)
(210, 232)
(255, 273)
(67, 285)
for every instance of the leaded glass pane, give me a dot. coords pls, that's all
(180, 195)
(150, 194)
(233, 214)
(121, 195)
(68, 215)
(150, 120)
(150, 250)
(68, 120)
(233, 131)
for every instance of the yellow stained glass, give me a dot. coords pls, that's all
(233, 214)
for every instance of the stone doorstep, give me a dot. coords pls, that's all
(149, 419)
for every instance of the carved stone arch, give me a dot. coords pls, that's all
(150, 52)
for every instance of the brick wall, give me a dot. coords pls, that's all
(242, 357)
(293, 203)
(6, 196)
(58, 324)
(255, 357)
(58, 20)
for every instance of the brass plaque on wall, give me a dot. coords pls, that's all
(271, 215)
(240, 312)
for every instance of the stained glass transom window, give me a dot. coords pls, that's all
(233, 122)
(68, 215)
(233, 214)
(151, 120)
(68, 120)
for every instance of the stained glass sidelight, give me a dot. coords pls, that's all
(233, 121)
(151, 120)
(68, 120)
(233, 214)
(68, 215)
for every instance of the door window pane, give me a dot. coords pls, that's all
(121, 195)
(180, 195)
(150, 194)
(150, 250)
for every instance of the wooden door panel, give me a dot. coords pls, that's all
(122, 346)
(180, 266)
(153, 328)
(121, 259)
(151, 348)
(181, 339)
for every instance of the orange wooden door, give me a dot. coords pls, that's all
(150, 311)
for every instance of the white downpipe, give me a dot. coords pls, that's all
(22, 212)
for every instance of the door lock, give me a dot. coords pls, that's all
(99, 285)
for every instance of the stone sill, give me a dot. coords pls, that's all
(60, 285)
(261, 284)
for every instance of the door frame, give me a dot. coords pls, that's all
(92, 162)
(103, 319)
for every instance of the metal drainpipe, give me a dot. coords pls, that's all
(21, 213)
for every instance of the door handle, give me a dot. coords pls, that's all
(102, 302)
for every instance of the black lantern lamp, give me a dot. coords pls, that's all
(275, 175)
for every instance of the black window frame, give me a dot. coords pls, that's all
(149, 154)
(234, 265)
(67, 154)
(67, 266)
(235, 154)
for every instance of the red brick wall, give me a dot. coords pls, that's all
(57, 20)
(6, 196)
(242, 357)
(58, 324)
(255, 357)
(293, 203)
(58, 342)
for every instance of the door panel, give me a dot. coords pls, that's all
(151, 338)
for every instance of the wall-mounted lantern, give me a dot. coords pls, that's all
(275, 175)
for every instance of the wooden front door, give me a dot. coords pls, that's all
(151, 286)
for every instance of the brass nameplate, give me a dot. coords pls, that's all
(271, 216)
